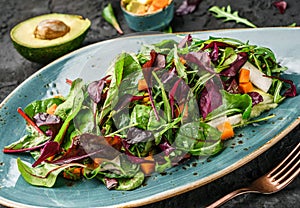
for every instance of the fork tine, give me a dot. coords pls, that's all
(293, 169)
(290, 179)
(283, 166)
(287, 167)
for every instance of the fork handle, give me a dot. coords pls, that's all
(229, 196)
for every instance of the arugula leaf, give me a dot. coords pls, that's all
(226, 13)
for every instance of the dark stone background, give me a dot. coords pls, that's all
(14, 69)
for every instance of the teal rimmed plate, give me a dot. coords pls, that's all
(90, 63)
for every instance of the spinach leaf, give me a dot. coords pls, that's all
(198, 138)
(64, 109)
(84, 121)
(233, 103)
(125, 65)
(180, 68)
(53, 147)
(126, 184)
(119, 167)
(41, 106)
(44, 175)
(32, 140)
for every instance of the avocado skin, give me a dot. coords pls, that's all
(49, 54)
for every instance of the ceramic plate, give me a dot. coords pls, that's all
(90, 63)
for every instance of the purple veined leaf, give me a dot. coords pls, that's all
(110, 183)
(187, 40)
(51, 148)
(166, 148)
(231, 86)
(172, 96)
(281, 6)
(160, 61)
(236, 65)
(52, 121)
(217, 44)
(202, 59)
(132, 158)
(42, 119)
(214, 55)
(210, 99)
(147, 72)
(24, 149)
(125, 100)
(166, 77)
(150, 62)
(256, 98)
(95, 89)
(136, 135)
(178, 93)
(156, 61)
(291, 91)
(85, 146)
(187, 7)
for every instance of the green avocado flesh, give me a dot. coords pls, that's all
(37, 48)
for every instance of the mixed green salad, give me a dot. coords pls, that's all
(153, 110)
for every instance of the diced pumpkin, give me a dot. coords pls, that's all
(51, 109)
(98, 160)
(226, 129)
(148, 166)
(72, 173)
(258, 78)
(244, 75)
(142, 85)
(114, 141)
(246, 87)
(182, 60)
(146, 99)
(182, 108)
(158, 4)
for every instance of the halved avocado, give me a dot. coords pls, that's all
(44, 38)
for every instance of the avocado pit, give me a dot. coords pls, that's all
(47, 37)
(51, 29)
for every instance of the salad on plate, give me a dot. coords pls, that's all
(154, 109)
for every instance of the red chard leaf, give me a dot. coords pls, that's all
(236, 65)
(256, 98)
(210, 99)
(187, 40)
(51, 148)
(95, 89)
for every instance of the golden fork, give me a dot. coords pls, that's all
(278, 178)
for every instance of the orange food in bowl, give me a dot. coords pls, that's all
(143, 7)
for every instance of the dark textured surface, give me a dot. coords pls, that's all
(14, 69)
